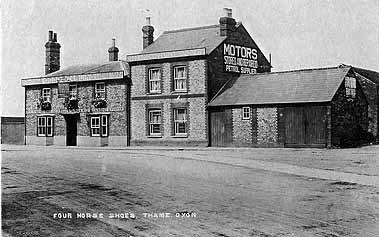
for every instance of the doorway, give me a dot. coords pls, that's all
(71, 129)
(221, 127)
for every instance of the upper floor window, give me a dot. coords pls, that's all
(100, 90)
(245, 112)
(46, 94)
(73, 92)
(99, 126)
(155, 80)
(180, 121)
(155, 120)
(180, 78)
(45, 126)
(351, 86)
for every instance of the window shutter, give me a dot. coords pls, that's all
(162, 119)
(187, 77)
(146, 80)
(187, 119)
(172, 123)
(161, 77)
(172, 86)
(147, 120)
(105, 90)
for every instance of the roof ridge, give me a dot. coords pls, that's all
(190, 29)
(298, 70)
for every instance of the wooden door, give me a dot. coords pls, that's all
(294, 125)
(221, 127)
(315, 124)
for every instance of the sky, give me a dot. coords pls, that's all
(298, 33)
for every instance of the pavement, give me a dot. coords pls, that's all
(299, 169)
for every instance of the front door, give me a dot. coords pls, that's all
(71, 130)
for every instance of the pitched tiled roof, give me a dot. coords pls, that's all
(92, 68)
(369, 74)
(207, 37)
(302, 86)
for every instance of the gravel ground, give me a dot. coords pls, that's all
(212, 193)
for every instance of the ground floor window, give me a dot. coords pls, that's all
(45, 126)
(99, 126)
(155, 119)
(245, 112)
(180, 121)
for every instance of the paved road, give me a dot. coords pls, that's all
(215, 192)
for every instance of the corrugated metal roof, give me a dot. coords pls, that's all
(207, 37)
(92, 68)
(301, 86)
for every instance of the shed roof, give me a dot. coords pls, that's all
(301, 86)
(207, 37)
(112, 66)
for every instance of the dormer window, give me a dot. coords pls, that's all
(350, 85)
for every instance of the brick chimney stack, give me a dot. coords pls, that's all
(113, 51)
(148, 33)
(227, 23)
(52, 53)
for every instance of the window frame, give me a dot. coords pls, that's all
(244, 113)
(99, 91)
(46, 96)
(73, 94)
(177, 122)
(351, 87)
(176, 78)
(158, 81)
(151, 130)
(47, 126)
(102, 127)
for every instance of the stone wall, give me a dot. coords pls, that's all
(242, 129)
(116, 108)
(267, 121)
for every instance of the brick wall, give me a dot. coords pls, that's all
(116, 105)
(267, 126)
(349, 117)
(242, 128)
(216, 74)
(194, 98)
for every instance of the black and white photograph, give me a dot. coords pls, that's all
(220, 118)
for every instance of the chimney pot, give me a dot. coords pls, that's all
(50, 35)
(55, 37)
(228, 12)
(148, 21)
(113, 42)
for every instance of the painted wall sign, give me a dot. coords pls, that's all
(73, 78)
(240, 59)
